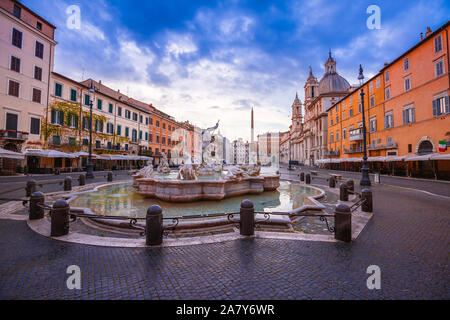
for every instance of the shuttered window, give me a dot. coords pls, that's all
(35, 126)
(57, 117)
(39, 50)
(58, 90)
(73, 95)
(17, 38)
(13, 89)
(36, 95)
(38, 73)
(409, 115)
(15, 64)
(441, 106)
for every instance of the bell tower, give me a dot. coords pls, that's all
(297, 115)
(311, 88)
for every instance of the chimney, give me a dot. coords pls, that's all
(99, 81)
(421, 36)
(428, 32)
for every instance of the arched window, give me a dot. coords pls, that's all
(425, 147)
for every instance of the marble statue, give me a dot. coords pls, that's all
(146, 172)
(235, 173)
(187, 171)
(163, 167)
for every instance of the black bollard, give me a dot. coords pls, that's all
(37, 200)
(351, 185)
(302, 176)
(110, 176)
(308, 178)
(154, 226)
(31, 187)
(60, 219)
(343, 223)
(247, 221)
(367, 205)
(68, 184)
(343, 192)
(82, 180)
(332, 182)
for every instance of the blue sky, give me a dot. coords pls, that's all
(203, 60)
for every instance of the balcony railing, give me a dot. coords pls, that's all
(356, 135)
(13, 135)
(388, 145)
(353, 150)
(333, 153)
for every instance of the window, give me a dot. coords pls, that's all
(86, 123)
(134, 136)
(408, 115)
(85, 142)
(331, 138)
(119, 130)
(35, 126)
(141, 119)
(56, 140)
(388, 120)
(386, 76)
(140, 135)
(350, 112)
(119, 111)
(98, 126)
(17, 11)
(127, 132)
(39, 50)
(163, 140)
(146, 120)
(157, 139)
(441, 106)
(58, 89)
(359, 107)
(99, 104)
(39, 25)
(373, 125)
(331, 121)
(331, 112)
(17, 38)
(438, 44)
(36, 95)
(135, 116)
(343, 115)
(157, 123)
(150, 121)
(337, 119)
(146, 136)
(344, 133)
(72, 141)
(170, 128)
(57, 117)
(406, 64)
(98, 144)
(371, 87)
(409, 148)
(127, 114)
(73, 120)
(109, 128)
(337, 136)
(73, 95)
(378, 82)
(13, 88)
(87, 100)
(15, 64)
(407, 84)
(38, 73)
(150, 137)
(372, 101)
(439, 67)
(126, 147)
(111, 108)
(388, 93)
(164, 125)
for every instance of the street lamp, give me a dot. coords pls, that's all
(90, 165)
(365, 180)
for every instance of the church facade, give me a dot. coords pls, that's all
(308, 132)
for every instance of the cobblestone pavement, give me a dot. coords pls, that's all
(407, 238)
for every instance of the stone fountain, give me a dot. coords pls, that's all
(188, 187)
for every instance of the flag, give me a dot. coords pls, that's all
(442, 146)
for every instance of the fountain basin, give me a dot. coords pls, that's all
(195, 190)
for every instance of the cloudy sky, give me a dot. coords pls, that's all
(204, 60)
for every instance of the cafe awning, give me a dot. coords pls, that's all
(48, 154)
(11, 154)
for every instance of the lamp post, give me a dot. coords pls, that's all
(365, 180)
(90, 165)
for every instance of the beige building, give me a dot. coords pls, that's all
(309, 137)
(26, 60)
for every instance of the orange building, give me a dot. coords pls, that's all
(407, 114)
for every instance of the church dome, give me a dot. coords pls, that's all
(332, 81)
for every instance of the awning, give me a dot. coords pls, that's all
(376, 159)
(394, 158)
(11, 154)
(47, 154)
(440, 157)
(425, 157)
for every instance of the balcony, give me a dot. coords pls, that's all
(356, 135)
(383, 146)
(333, 153)
(17, 136)
(353, 150)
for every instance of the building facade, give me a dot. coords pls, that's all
(406, 107)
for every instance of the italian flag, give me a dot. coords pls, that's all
(442, 146)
